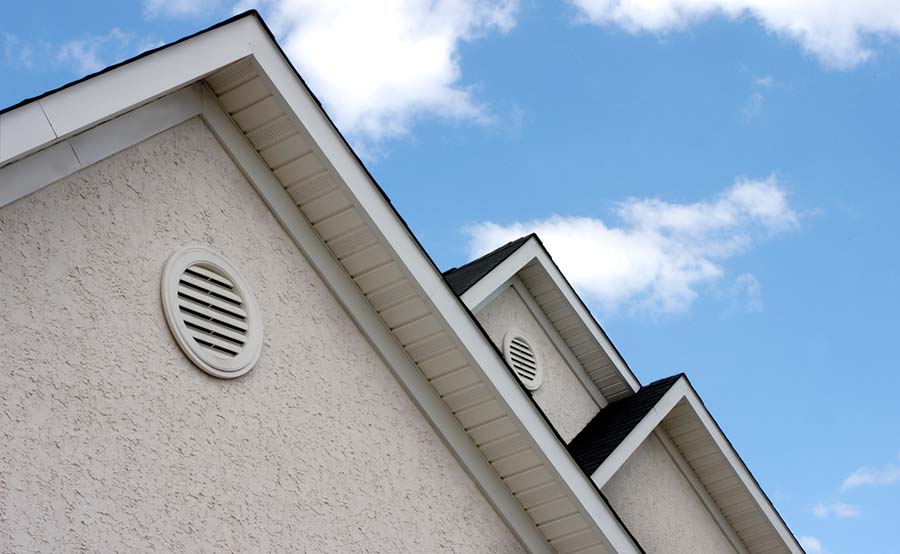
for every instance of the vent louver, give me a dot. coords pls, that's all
(211, 312)
(523, 360)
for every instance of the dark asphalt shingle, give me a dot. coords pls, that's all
(463, 278)
(608, 429)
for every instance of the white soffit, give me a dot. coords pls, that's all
(566, 312)
(86, 103)
(266, 102)
(733, 490)
(347, 226)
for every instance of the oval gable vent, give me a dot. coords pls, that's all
(211, 312)
(523, 359)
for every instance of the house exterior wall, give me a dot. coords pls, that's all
(659, 506)
(114, 442)
(561, 396)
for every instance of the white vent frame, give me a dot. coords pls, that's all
(516, 349)
(208, 358)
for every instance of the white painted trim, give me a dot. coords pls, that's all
(385, 344)
(495, 281)
(642, 430)
(67, 156)
(699, 490)
(59, 160)
(487, 288)
(447, 307)
(50, 150)
(561, 347)
(88, 104)
(107, 95)
(741, 469)
(37, 171)
(682, 390)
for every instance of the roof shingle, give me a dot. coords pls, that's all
(608, 429)
(463, 278)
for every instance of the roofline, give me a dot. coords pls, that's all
(477, 352)
(453, 271)
(682, 389)
(533, 250)
(107, 69)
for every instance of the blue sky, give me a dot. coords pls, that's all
(720, 182)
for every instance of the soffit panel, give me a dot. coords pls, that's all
(404, 308)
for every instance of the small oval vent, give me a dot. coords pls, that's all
(211, 312)
(523, 360)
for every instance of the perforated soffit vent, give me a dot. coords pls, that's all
(211, 312)
(523, 359)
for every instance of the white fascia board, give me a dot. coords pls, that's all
(64, 157)
(639, 434)
(85, 104)
(572, 298)
(495, 281)
(538, 314)
(482, 292)
(415, 262)
(22, 130)
(91, 102)
(728, 451)
(711, 508)
(357, 306)
(682, 390)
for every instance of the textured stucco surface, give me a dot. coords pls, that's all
(114, 442)
(562, 396)
(659, 506)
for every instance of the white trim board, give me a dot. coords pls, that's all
(466, 334)
(349, 296)
(561, 347)
(66, 156)
(700, 490)
(108, 101)
(532, 256)
(681, 393)
(75, 108)
(116, 127)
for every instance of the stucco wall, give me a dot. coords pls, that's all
(113, 442)
(659, 506)
(562, 395)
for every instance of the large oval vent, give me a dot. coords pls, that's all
(211, 312)
(523, 359)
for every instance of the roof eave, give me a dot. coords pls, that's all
(532, 262)
(681, 400)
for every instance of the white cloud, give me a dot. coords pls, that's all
(94, 52)
(840, 33)
(764, 82)
(812, 545)
(839, 510)
(180, 8)
(753, 107)
(660, 253)
(747, 292)
(886, 475)
(16, 52)
(379, 65)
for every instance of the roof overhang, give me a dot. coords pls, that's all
(238, 80)
(532, 264)
(718, 471)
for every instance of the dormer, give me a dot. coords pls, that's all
(547, 335)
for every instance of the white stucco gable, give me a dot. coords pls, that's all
(616, 446)
(527, 262)
(239, 83)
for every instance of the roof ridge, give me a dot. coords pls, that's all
(464, 277)
(597, 440)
